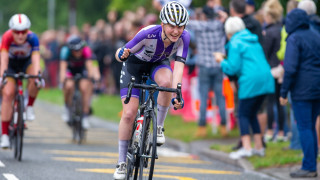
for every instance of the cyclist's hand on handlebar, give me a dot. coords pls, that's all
(124, 54)
(40, 83)
(177, 104)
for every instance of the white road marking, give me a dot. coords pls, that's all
(1, 164)
(10, 176)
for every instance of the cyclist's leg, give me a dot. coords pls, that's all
(128, 114)
(162, 75)
(86, 88)
(68, 90)
(32, 91)
(8, 93)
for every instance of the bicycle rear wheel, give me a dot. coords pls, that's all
(18, 140)
(148, 150)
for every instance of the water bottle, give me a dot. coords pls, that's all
(137, 132)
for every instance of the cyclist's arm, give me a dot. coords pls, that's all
(4, 58)
(134, 45)
(177, 74)
(63, 70)
(96, 72)
(35, 55)
(90, 68)
(4, 62)
(125, 54)
(35, 59)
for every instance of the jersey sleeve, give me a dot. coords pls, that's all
(137, 42)
(87, 53)
(64, 53)
(182, 51)
(34, 41)
(6, 40)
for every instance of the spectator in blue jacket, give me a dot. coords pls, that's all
(246, 60)
(311, 9)
(301, 78)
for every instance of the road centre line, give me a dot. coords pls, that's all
(10, 176)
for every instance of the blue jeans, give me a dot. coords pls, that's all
(306, 113)
(295, 141)
(211, 78)
(248, 110)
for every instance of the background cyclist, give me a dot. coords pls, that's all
(19, 53)
(76, 57)
(148, 52)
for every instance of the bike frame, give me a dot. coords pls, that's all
(16, 129)
(139, 154)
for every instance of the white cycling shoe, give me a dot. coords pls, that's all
(29, 114)
(5, 141)
(85, 122)
(120, 172)
(160, 136)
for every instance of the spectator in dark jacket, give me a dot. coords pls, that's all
(301, 78)
(272, 12)
(238, 8)
(310, 7)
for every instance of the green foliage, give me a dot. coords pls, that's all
(87, 11)
(123, 5)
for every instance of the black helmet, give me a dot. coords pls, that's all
(74, 42)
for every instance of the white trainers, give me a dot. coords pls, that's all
(85, 122)
(160, 136)
(261, 152)
(30, 113)
(120, 172)
(5, 141)
(240, 154)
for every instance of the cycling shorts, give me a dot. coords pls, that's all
(18, 65)
(136, 67)
(72, 72)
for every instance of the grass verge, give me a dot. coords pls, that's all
(277, 155)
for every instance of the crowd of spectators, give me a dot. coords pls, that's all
(207, 27)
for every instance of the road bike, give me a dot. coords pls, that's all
(142, 149)
(16, 127)
(76, 112)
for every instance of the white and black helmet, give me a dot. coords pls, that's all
(19, 22)
(174, 13)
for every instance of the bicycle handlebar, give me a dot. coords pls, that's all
(132, 84)
(20, 75)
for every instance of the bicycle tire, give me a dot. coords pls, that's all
(132, 157)
(76, 111)
(148, 149)
(20, 128)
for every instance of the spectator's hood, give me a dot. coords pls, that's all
(295, 20)
(246, 35)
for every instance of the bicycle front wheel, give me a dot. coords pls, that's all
(19, 130)
(76, 117)
(148, 149)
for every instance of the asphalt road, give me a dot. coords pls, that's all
(50, 154)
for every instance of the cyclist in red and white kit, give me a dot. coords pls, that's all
(148, 52)
(19, 53)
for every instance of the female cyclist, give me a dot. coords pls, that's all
(148, 52)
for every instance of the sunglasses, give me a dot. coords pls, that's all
(20, 32)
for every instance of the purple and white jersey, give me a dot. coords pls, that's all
(147, 45)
